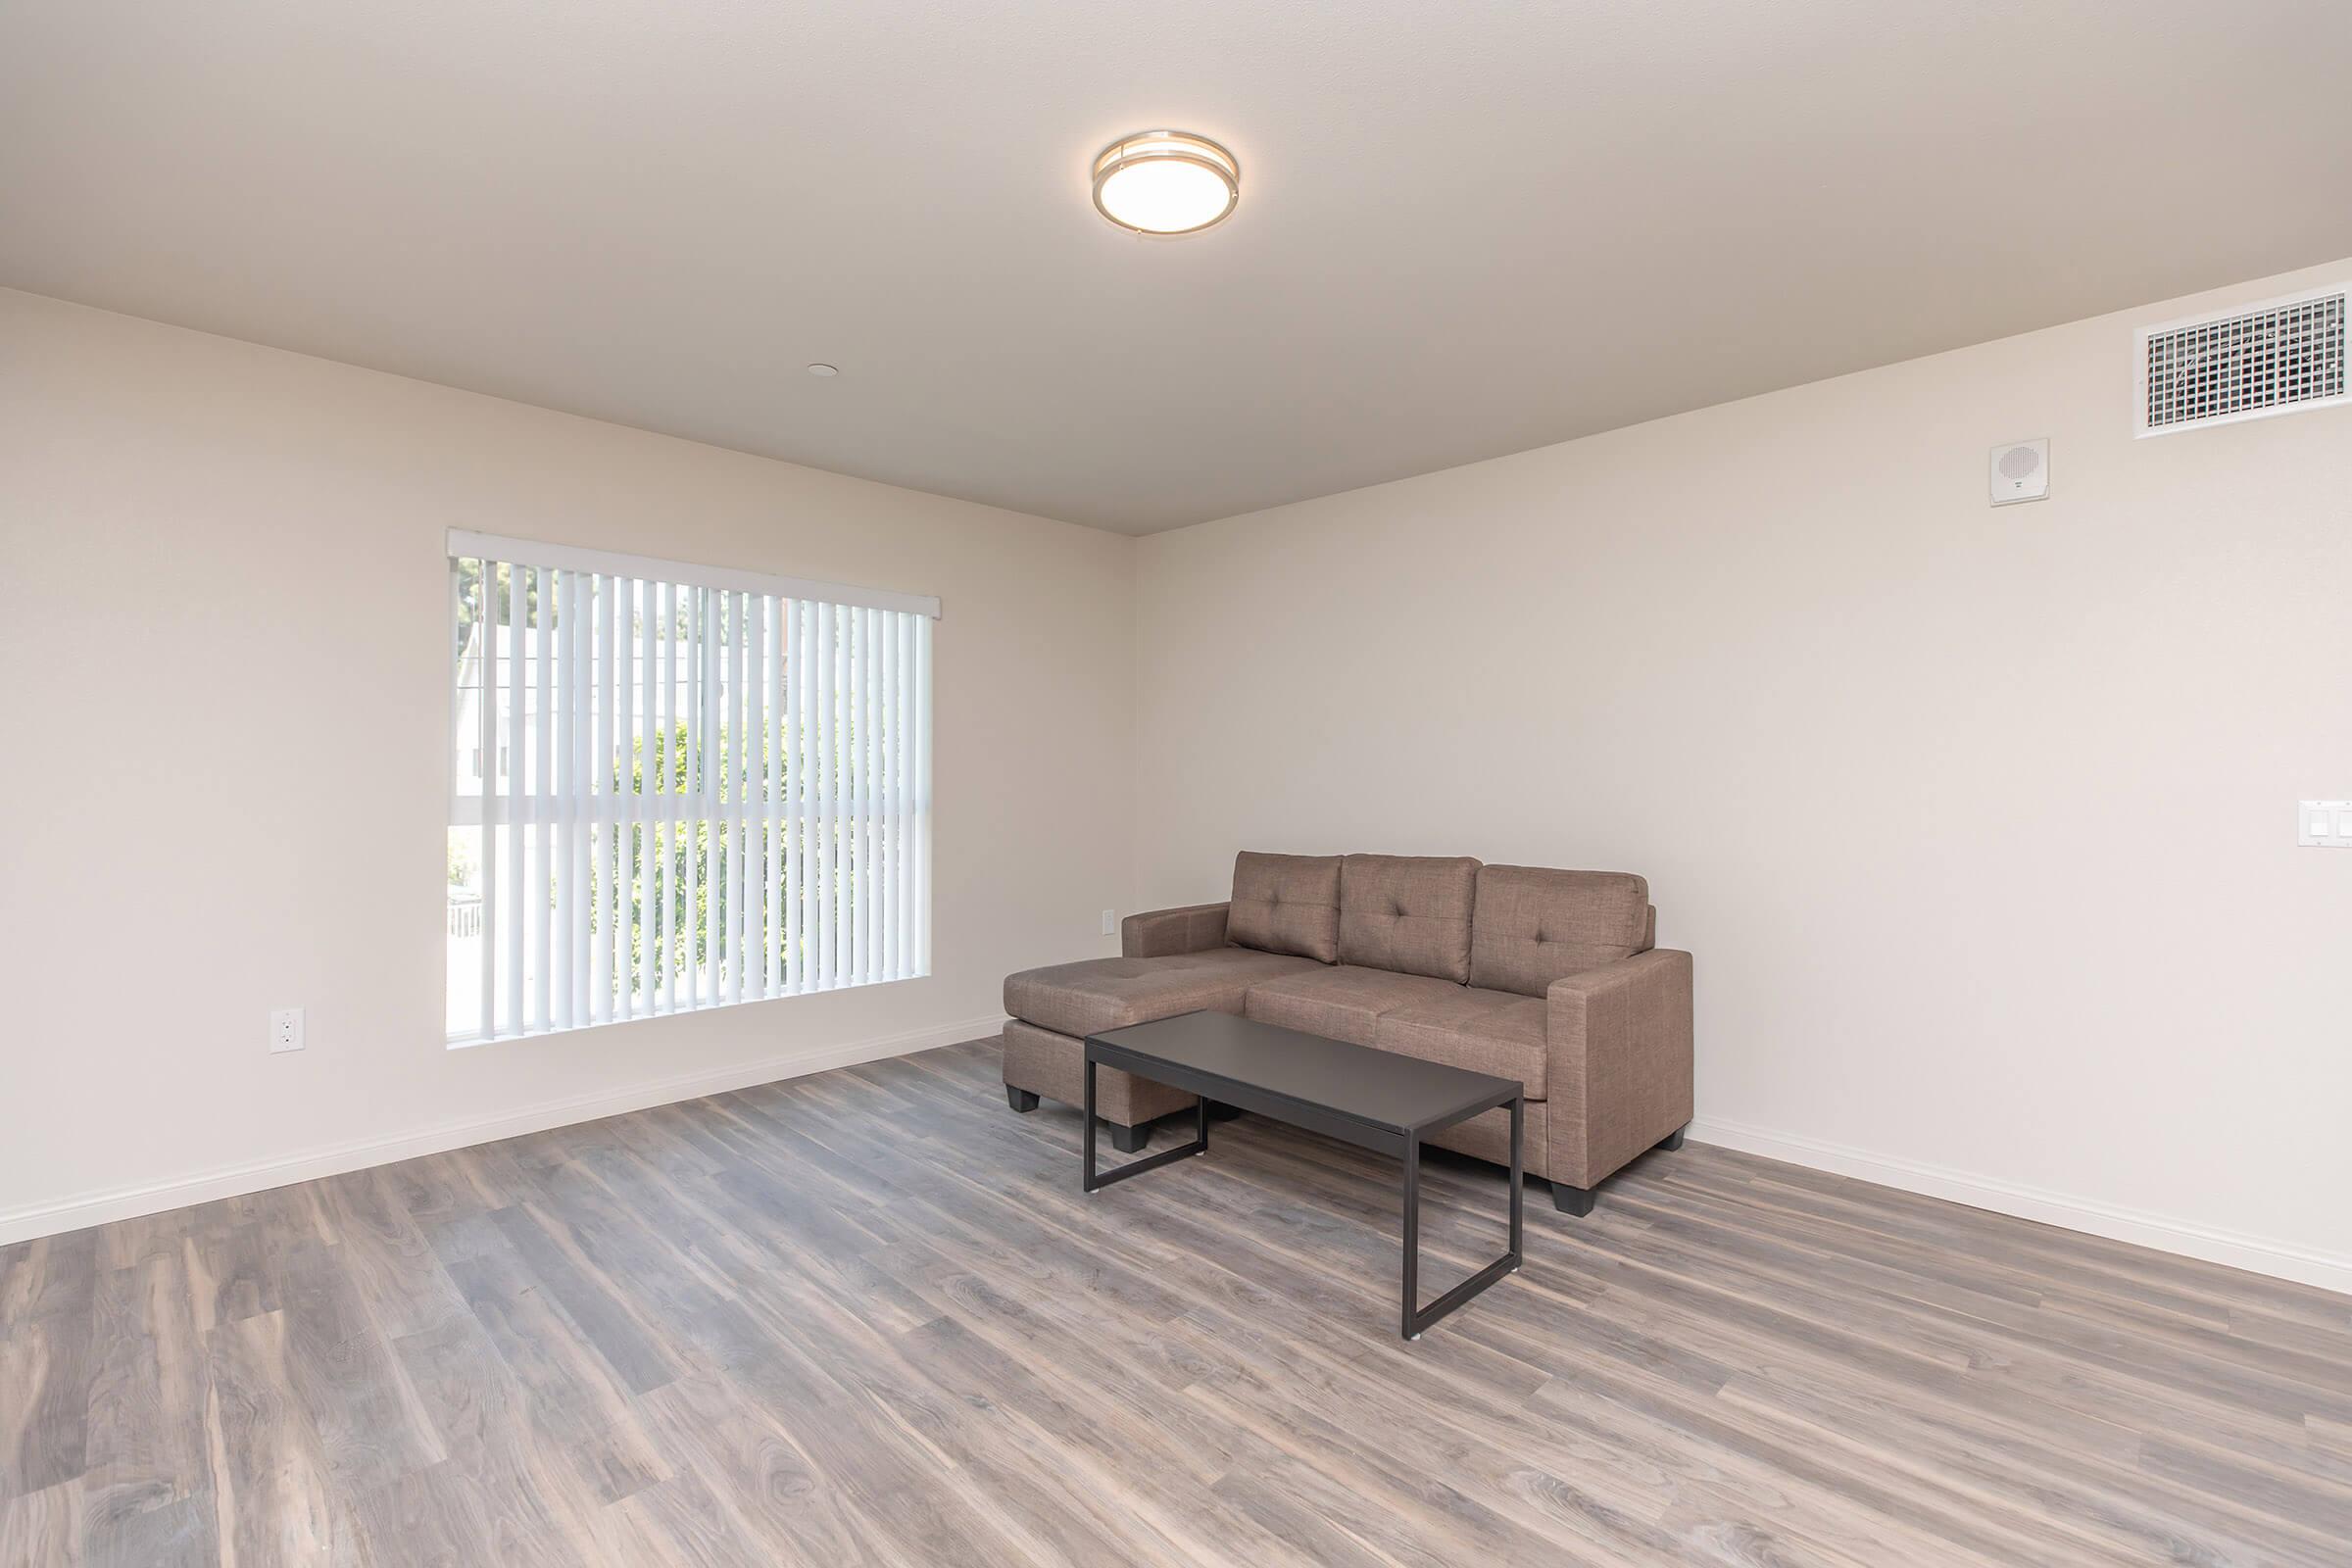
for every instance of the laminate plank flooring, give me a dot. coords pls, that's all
(867, 1317)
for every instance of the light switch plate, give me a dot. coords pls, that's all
(2323, 824)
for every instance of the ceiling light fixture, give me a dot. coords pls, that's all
(1167, 183)
(823, 369)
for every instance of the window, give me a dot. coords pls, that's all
(716, 787)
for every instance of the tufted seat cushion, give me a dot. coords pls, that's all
(1410, 913)
(1286, 904)
(1535, 925)
(1344, 1002)
(1098, 994)
(1485, 1031)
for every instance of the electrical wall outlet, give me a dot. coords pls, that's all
(1111, 922)
(286, 1030)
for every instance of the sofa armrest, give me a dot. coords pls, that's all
(1161, 933)
(1619, 1040)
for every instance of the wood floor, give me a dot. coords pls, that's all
(867, 1317)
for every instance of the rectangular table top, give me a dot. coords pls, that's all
(1378, 1089)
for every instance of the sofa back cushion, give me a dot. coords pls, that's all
(1408, 912)
(1286, 904)
(1534, 926)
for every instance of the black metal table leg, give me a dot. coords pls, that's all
(1088, 1137)
(1413, 1237)
(1094, 1180)
(1416, 1316)
(1518, 1178)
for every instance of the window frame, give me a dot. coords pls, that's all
(793, 852)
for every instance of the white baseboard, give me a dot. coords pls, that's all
(2256, 1253)
(100, 1208)
(2260, 1255)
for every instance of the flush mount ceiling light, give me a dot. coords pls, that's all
(1167, 183)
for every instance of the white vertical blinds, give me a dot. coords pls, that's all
(676, 786)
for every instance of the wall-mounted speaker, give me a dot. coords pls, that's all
(2021, 471)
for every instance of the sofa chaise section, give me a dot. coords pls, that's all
(1054, 1009)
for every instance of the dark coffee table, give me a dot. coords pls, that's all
(1375, 1099)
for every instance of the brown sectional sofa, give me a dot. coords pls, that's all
(1549, 977)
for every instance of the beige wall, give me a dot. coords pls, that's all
(1979, 822)
(221, 615)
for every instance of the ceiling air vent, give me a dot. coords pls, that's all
(2277, 358)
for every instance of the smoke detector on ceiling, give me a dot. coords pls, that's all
(2021, 471)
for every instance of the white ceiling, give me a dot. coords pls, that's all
(1465, 228)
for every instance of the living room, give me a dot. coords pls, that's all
(1647, 697)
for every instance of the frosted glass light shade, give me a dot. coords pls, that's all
(1167, 183)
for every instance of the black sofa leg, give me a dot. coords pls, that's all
(1129, 1140)
(1674, 1140)
(1021, 1100)
(1577, 1201)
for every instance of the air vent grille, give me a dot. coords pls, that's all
(2274, 359)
